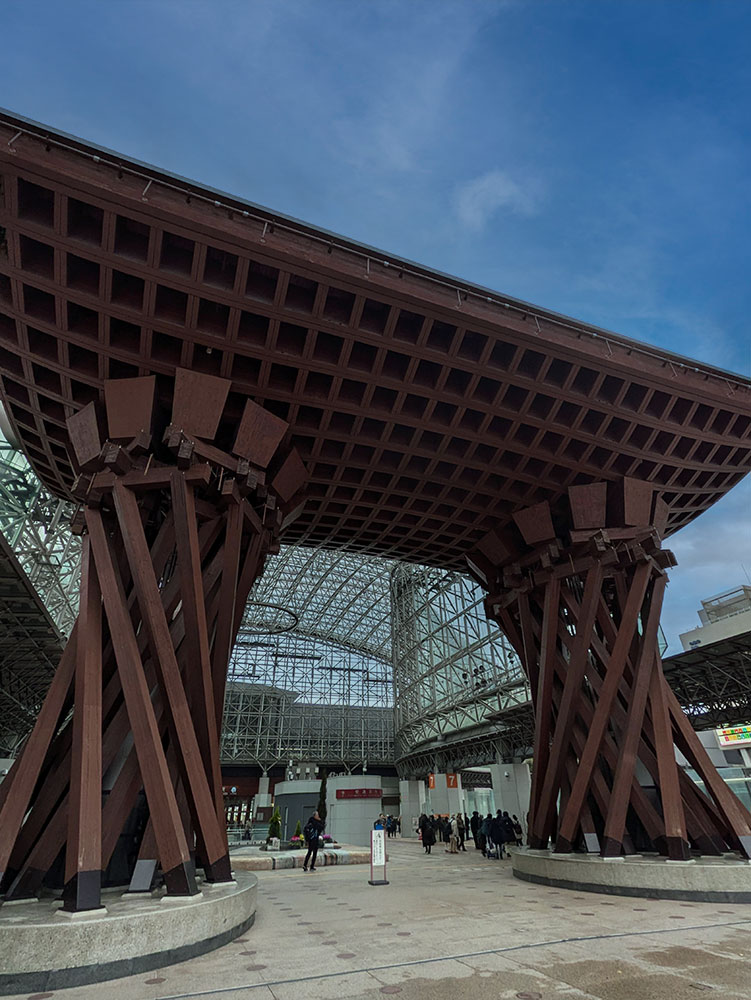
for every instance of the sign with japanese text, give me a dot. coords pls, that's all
(734, 736)
(359, 793)
(377, 858)
(379, 849)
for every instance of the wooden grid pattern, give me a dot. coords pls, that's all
(426, 413)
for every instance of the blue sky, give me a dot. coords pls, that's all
(592, 157)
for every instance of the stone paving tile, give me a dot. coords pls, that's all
(451, 908)
(484, 985)
(446, 969)
(355, 984)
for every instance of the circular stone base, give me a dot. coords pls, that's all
(709, 880)
(43, 949)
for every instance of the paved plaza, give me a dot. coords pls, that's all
(450, 927)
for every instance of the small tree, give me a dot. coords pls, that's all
(322, 798)
(298, 829)
(275, 825)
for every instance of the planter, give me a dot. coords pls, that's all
(288, 845)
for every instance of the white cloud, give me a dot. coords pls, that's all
(477, 200)
(399, 112)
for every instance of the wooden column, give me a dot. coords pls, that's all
(578, 592)
(83, 859)
(168, 519)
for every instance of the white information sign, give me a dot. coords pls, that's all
(377, 858)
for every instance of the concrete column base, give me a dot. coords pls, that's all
(40, 952)
(706, 880)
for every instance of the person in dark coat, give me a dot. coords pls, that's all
(474, 826)
(445, 829)
(486, 839)
(462, 831)
(497, 833)
(518, 832)
(509, 834)
(435, 822)
(313, 832)
(427, 833)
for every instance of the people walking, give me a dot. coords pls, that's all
(486, 842)
(427, 833)
(313, 831)
(461, 831)
(518, 832)
(474, 825)
(497, 833)
(452, 827)
(509, 834)
(446, 828)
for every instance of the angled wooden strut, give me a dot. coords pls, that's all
(578, 592)
(177, 520)
(83, 862)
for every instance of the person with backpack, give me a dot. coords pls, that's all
(312, 833)
(518, 832)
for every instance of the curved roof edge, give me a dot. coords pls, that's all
(39, 130)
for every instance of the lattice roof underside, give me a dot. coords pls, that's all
(335, 596)
(713, 682)
(428, 409)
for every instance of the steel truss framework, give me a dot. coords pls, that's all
(39, 572)
(454, 672)
(481, 748)
(296, 698)
(36, 525)
(713, 682)
(30, 647)
(321, 690)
